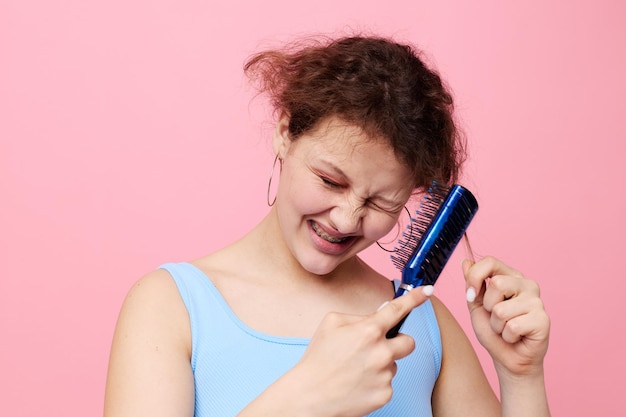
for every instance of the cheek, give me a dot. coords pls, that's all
(304, 196)
(378, 225)
(311, 199)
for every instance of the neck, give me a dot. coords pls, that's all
(270, 254)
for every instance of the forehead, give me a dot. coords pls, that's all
(347, 147)
(341, 138)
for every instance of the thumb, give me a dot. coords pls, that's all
(471, 292)
(466, 265)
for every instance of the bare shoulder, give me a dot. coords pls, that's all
(462, 384)
(446, 320)
(150, 353)
(155, 287)
(154, 303)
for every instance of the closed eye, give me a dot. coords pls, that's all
(389, 210)
(330, 183)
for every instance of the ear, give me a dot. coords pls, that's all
(282, 139)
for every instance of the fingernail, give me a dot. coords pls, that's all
(428, 290)
(470, 295)
(382, 305)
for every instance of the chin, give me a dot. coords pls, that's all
(325, 264)
(318, 268)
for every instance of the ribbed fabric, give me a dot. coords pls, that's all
(233, 364)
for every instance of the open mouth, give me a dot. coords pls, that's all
(326, 236)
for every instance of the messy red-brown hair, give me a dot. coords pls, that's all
(381, 86)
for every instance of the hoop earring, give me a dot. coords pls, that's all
(399, 227)
(269, 185)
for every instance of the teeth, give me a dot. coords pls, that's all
(326, 236)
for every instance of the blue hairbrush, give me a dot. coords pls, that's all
(441, 221)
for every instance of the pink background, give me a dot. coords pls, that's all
(128, 139)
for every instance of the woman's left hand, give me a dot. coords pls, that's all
(508, 316)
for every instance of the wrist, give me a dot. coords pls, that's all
(523, 394)
(292, 393)
(524, 374)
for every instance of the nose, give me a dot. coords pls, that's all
(346, 218)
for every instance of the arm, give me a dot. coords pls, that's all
(149, 370)
(462, 388)
(509, 320)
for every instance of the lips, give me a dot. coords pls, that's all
(321, 233)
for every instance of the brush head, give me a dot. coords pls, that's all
(441, 221)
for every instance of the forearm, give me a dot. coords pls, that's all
(283, 398)
(524, 396)
(272, 403)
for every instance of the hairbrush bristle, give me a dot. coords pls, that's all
(428, 208)
(427, 243)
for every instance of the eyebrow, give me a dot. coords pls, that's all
(331, 166)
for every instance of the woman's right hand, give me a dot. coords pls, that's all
(349, 364)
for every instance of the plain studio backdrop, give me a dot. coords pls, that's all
(130, 138)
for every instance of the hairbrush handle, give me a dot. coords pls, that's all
(393, 332)
(424, 264)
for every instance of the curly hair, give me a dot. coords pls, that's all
(374, 83)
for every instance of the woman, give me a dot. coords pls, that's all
(289, 321)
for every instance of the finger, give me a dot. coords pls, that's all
(532, 326)
(480, 271)
(501, 288)
(505, 311)
(473, 296)
(395, 310)
(394, 369)
(402, 345)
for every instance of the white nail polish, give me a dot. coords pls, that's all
(470, 295)
(382, 305)
(428, 290)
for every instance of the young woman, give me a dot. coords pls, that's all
(289, 321)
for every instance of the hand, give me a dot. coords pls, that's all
(349, 364)
(508, 316)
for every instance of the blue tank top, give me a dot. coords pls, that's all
(232, 363)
